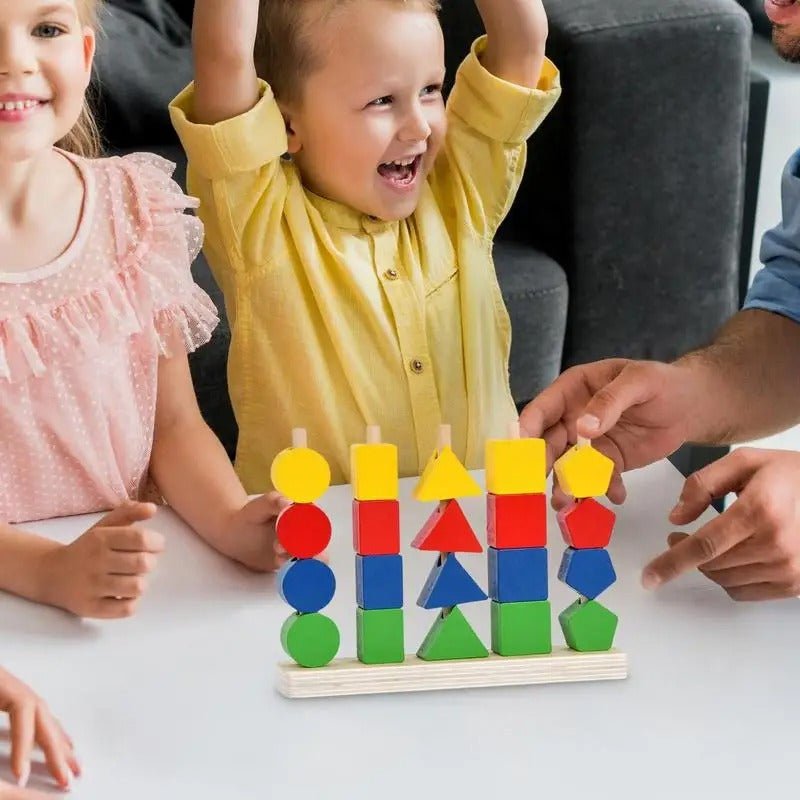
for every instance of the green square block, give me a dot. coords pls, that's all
(521, 629)
(379, 635)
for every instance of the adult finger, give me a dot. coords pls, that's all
(713, 539)
(135, 540)
(764, 591)
(747, 575)
(701, 488)
(633, 386)
(750, 551)
(22, 717)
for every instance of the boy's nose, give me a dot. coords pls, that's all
(416, 127)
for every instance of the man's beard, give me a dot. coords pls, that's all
(786, 44)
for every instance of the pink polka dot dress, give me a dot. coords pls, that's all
(80, 341)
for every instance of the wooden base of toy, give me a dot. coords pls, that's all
(347, 676)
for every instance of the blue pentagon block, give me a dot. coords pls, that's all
(588, 572)
(518, 575)
(306, 584)
(379, 582)
(448, 585)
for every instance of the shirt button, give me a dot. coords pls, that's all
(391, 275)
(417, 366)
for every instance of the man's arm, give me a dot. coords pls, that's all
(748, 379)
(517, 32)
(223, 38)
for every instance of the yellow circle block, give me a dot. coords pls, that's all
(301, 474)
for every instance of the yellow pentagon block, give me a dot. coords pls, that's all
(584, 472)
(445, 478)
(301, 474)
(373, 471)
(516, 466)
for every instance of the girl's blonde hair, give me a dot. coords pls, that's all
(84, 138)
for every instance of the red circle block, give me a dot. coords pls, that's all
(303, 530)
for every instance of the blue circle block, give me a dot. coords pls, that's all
(306, 584)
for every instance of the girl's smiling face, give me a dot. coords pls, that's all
(46, 57)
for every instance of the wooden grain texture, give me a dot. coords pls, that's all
(349, 677)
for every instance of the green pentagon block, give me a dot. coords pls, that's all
(312, 640)
(521, 629)
(379, 634)
(588, 626)
(450, 638)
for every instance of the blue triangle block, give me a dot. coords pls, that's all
(448, 585)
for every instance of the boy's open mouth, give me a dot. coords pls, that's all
(402, 172)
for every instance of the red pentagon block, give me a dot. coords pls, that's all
(586, 524)
(516, 520)
(447, 531)
(376, 527)
(303, 530)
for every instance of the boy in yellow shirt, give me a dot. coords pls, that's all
(350, 216)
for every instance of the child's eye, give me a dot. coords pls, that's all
(434, 88)
(381, 101)
(48, 31)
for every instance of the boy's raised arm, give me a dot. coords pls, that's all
(516, 32)
(223, 38)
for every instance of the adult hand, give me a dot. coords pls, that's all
(752, 550)
(636, 412)
(32, 723)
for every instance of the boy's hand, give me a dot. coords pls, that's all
(32, 723)
(752, 550)
(517, 32)
(251, 536)
(102, 573)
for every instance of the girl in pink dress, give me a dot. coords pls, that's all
(98, 311)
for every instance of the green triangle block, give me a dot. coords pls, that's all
(588, 626)
(451, 637)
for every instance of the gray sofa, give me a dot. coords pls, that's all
(625, 236)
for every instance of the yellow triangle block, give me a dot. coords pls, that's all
(445, 478)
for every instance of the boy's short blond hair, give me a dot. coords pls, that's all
(284, 54)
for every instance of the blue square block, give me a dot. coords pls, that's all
(518, 575)
(379, 582)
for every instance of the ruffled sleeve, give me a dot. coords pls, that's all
(156, 260)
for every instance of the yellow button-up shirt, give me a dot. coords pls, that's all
(339, 320)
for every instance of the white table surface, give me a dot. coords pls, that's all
(179, 701)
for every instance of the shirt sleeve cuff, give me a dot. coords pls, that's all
(496, 108)
(775, 288)
(242, 144)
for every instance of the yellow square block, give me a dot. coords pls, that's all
(516, 466)
(373, 471)
(584, 472)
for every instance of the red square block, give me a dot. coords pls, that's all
(516, 520)
(376, 527)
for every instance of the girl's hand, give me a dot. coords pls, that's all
(102, 573)
(32, 722)
(251, 538)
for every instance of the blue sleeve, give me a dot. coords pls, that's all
(777, 286)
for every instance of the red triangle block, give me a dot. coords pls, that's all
(447, 531)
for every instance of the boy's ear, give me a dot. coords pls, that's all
(292, 135)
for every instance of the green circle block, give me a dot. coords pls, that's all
(312, 640)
